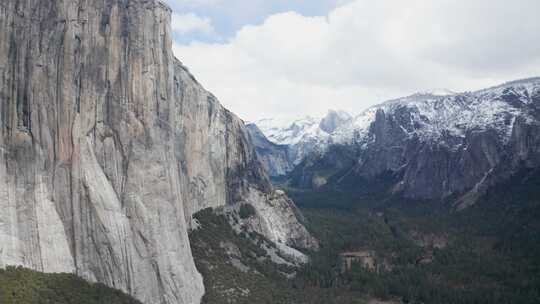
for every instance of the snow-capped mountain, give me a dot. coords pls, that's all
(434, 144)
(334, 120)
(301, 137)
(283, 132)
(437, 92)
(442, 114)
(287, 132)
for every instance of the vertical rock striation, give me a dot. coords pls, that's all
(108, 145)
(86, 168)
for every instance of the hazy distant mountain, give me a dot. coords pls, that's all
(298, 138)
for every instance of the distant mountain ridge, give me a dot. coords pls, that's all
(294, 139)
(434, 145)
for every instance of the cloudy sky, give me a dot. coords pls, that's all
(290, 58)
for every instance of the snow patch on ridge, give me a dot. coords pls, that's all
(304, 135)
(434, 115)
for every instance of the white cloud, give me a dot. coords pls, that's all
(367, 51)
(188, 23)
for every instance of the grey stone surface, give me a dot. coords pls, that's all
(275, 158)
(108, 146)
(333, 120)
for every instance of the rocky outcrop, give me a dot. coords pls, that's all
(278, 219)
(108, 145)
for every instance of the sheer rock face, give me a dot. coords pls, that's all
(108, 145)
(221, 167)
(274, 158)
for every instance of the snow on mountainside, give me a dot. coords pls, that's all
(284, 132)
(437, 92)
(309, 134)
(434, 146)
(287, 132)
(304, 135)
(436, 115)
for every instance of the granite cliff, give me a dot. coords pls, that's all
(108, 146)
(274, 157)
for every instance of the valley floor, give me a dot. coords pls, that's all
(378, 249)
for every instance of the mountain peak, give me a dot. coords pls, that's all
(437, 92)
(340, 113)
(526, 84)
(333, 120)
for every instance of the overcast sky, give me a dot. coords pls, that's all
(290, 58)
